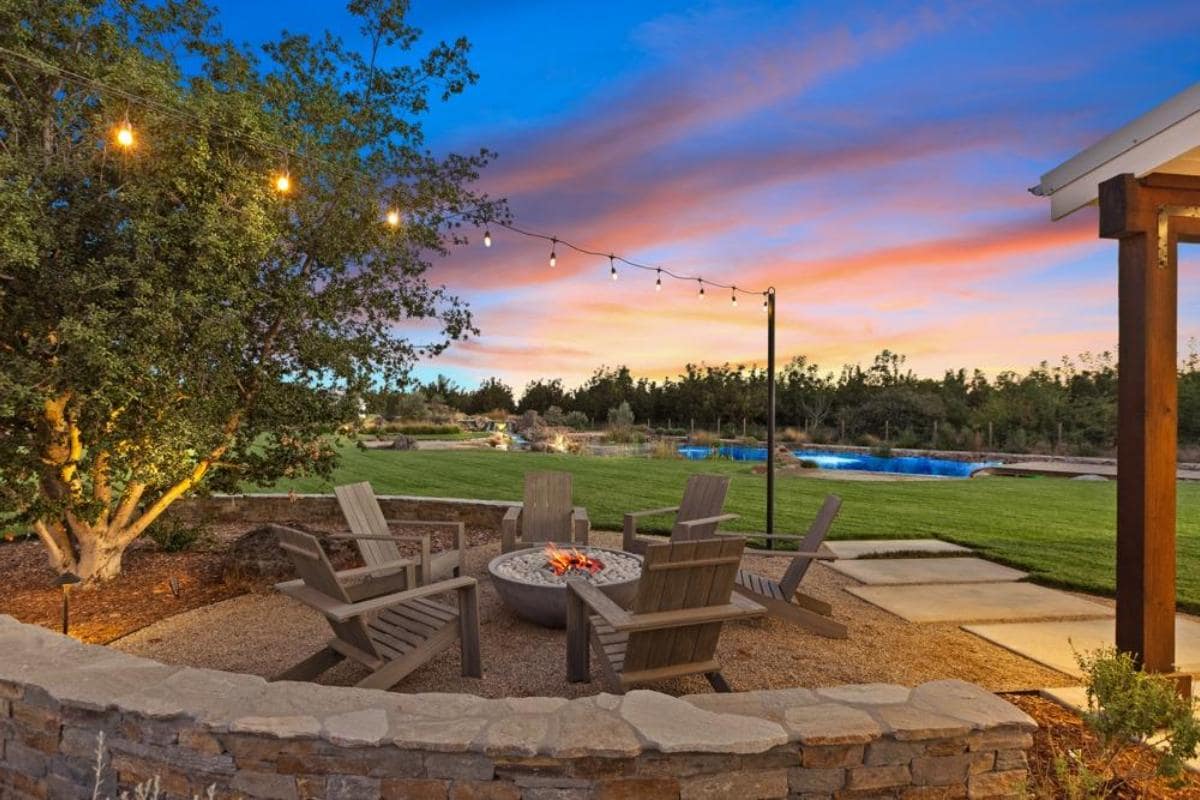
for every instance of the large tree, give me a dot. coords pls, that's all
(169, 319)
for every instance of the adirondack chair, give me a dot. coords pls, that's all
(546, 515)
(696, 517)
(392, 633)
(683, 598)
(783, 598)
(378, 546)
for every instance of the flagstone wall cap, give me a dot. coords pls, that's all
(97, 678)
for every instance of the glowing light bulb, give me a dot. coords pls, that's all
(764, 303)
(283, 183)
(612, 268)
(487, 238)
(733, 297)
(393, 218)
(553, 256)
(701, 295)
(658, 282)
(125, 135)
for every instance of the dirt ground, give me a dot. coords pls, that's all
(263, 633)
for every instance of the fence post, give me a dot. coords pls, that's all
(935, 444)
(718, 427)
(887, 430)
(743, 427)
(990, 445)
(842, 424)
(693, 428)
(1058, 446)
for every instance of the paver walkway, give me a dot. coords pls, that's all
(1050, 643)
(863, 548)
(896, 571)
(978, 602)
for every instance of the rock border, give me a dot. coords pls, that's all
(250, 738)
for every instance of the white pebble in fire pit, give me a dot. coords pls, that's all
(533, 567)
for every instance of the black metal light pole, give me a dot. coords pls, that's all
(770, 416)
(66, 580)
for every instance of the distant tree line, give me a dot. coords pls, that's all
(1068, 407)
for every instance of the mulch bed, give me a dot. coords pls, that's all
(141, 595)
(1061, 732)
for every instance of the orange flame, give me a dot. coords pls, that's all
(562, 561)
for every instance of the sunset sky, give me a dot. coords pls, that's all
(871, 161)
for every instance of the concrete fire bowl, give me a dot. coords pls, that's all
(545, 604)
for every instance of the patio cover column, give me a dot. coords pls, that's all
(1148, 216)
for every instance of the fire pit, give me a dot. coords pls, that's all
(533, 582)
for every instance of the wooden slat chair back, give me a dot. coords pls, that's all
(675, 577)
(671, 629)
(783, 597)
(812, 541)
(546, 515)
(703, 498)
(546, 511)
(378, 546)
(365, 518)
(313, 567)
(696, 517)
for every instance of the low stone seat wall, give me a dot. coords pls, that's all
(195, 728)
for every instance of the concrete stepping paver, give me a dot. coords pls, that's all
(978, 602)
(1050, 643)
(860, 548)
(896, 571)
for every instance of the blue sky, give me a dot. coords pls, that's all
(870, 160)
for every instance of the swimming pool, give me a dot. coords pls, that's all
(903, 465)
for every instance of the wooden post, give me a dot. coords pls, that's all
(743, 427)
(1058, 444)
(578, 639)
(991, 447)
(718, 427)
(935, 422)
(1138, 214)
(887, 430)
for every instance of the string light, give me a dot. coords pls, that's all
(124, 134)
(733, 297)
(125, 137)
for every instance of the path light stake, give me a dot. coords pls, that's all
(66, 580)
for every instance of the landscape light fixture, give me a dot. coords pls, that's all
(393, 218)
(124, 135)
(66, 580)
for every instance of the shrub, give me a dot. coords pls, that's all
(423, 430)
(868, 440)
(555, 416)
(792, 435)
(175, 536)
(664, 449)
(704, 439)
(882, 451)
(808, 463)
(577, 421)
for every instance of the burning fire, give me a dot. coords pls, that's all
(562, 561)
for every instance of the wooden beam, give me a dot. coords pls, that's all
(1147, 420)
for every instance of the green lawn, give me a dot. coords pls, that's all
(1061, 531)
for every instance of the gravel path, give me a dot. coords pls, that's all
(264, 633)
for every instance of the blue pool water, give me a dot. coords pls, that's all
(905, 465)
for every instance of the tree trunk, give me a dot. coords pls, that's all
(99, 558)
(91, 552)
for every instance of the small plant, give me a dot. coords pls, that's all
(793, 436)
(664, 449)
(1129, 708)
(704, 439)
(808, 463)
(150, 789)
(881, 451)
(577, 421)
(175, 536)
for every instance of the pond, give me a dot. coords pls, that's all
(904, 465)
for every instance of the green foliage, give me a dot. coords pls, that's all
(1128, 707)
(175, 536)
(577, 421)
(492, 395)
(169, 321)
(424, 430)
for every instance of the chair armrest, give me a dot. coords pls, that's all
(427, 523)
(361, 537)
(598, 602)
(386, 566)
(682, 618)
(345, 611)
(694, 523)
(818, 555)
(581, 526)
(650, 512)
